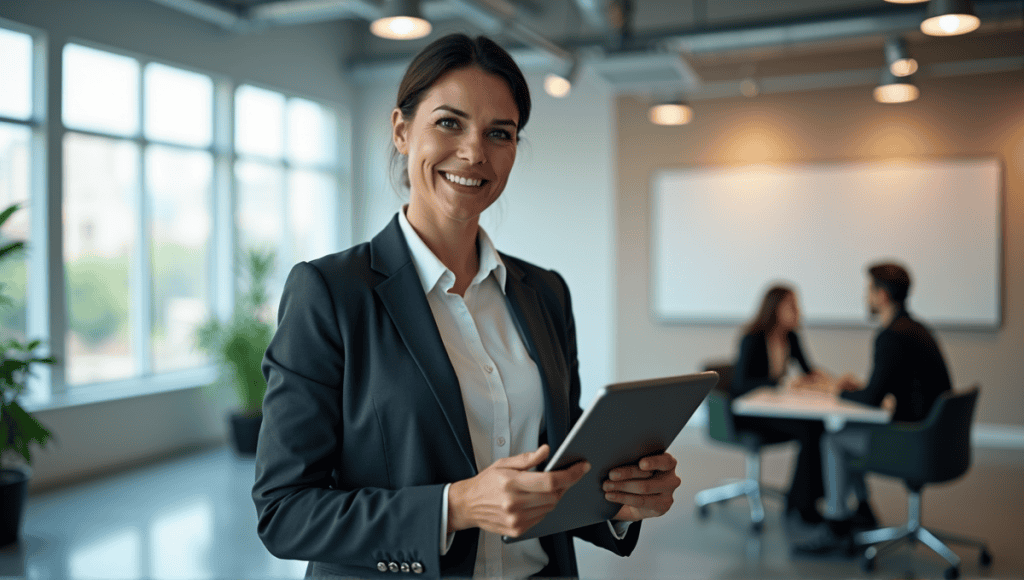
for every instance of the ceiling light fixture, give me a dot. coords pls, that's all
(949, 18)
(402, 20)
(897, 58)
(557, 85)
(906, 1)
(895, 90)
(673, 113)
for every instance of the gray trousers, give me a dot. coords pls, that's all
(837, 450)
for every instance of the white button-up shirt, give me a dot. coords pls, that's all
(500, 385)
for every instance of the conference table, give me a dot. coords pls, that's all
(790, 403)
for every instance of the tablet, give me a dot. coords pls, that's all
(624, 423)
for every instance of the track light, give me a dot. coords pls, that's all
(673, 113)
(906, 1)
(895, 90)
(402, 20)
(557, 85)
(949, 18)
(900, 63)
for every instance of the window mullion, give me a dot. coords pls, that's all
(50, 315)
(142, 288)
(225, 187)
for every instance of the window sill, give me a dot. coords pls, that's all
(124, 389)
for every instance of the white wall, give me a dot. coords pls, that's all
(558, 210)
(304, 60)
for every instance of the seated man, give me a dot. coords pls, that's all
(907, 365)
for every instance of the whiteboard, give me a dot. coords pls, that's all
(722, 235)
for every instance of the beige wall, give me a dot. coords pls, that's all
(968, 115)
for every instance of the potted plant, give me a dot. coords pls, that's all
(18, 428)
(239, 345)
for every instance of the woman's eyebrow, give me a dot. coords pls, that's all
(459, 113)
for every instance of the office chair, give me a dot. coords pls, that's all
(934, 450)
(722, 428)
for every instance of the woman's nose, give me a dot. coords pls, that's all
(471, 148)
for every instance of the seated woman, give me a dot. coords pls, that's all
(768, 345)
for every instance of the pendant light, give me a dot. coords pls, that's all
(402, 20)
(949, 18)
(893, 89)
(558, 85)
(898, 59)
(671, 113)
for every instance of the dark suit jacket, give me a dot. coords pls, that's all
(908, 364)
(363, 421)
(752, 363)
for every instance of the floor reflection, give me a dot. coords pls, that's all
(185, 519)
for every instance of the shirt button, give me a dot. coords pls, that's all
(489, 369)
(405, 567)
(501, 441)
(417, 568)
(393, 567)
(382, 566)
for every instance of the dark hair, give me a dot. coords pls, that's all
(768, 314)
(453, 52)
(892, 278)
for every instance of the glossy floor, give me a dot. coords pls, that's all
(191, 518)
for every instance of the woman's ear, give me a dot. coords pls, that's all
(399, 129)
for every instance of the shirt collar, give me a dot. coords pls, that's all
(431, 269)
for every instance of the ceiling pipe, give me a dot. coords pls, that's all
(290, 12)
(214, 14)
(593, 12)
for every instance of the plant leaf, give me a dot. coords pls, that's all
(25, 430)
(7, 212)
(11, 248)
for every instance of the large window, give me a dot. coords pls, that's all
(287, 175)
(137, 215)
(164, 177)
(15, 173)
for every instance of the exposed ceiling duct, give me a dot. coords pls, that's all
(652, 60)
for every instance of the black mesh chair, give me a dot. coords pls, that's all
(722, 429)
(935, 450)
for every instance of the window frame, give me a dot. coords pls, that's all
(47, 314)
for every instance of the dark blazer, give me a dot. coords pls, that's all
(752, 363)
(363, 421)
(908, 364)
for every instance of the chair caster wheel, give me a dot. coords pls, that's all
(867, 564)
(757, 527)
(952, 573)
(985, 559)
(702, 512)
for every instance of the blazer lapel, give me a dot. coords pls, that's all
(403, 298)
(535, 328)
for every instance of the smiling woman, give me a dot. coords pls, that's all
(416, 380)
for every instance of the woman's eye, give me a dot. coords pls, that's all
(448, 123)
(501, 134)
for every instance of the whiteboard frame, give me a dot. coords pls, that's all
(810, 322)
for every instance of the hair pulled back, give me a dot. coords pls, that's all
(454, 52)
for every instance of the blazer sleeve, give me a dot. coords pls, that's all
(887, 372)
(796, 351)
(301, 514)
(598, 534)
(751, 366)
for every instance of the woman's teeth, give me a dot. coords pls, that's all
(462, 180)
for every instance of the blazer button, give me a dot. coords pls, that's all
(404, 567)
(393, 566)
(417, 567)
(382, 566)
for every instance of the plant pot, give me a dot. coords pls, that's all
(13, 496)
(245, 431)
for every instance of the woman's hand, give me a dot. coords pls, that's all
(644, 490)
(507, 498)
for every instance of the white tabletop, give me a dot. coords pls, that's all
(832, 410)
